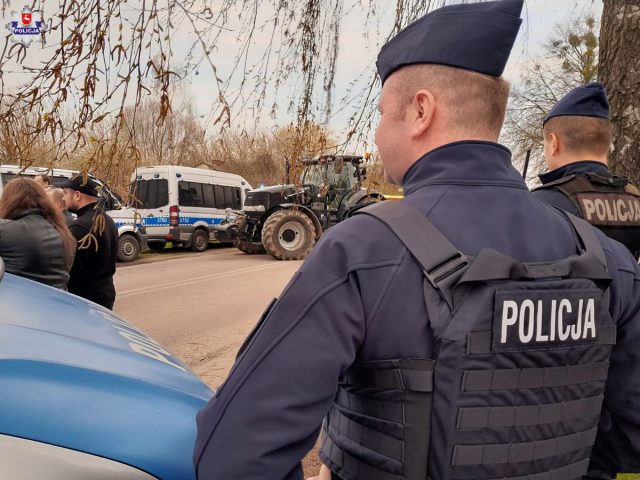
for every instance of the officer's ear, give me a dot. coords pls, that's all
(554, 144)
(423, 109)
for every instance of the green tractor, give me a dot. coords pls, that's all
(287, 220)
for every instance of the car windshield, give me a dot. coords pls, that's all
(338, 173)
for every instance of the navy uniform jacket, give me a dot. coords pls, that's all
(359, 295)
(559, 199)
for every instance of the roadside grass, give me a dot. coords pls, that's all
(628, 476)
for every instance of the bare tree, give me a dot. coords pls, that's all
(104, 57)
(619, 69)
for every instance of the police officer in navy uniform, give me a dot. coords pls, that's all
(577, 136)
(499, 373)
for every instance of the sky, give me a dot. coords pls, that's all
(359, 43)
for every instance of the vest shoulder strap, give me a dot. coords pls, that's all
(438, 257)
(555, 183)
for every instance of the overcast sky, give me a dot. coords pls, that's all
(356, 59)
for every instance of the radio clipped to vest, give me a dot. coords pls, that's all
(516, 388)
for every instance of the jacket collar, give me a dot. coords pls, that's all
(583, 166)
(86, 208)
(27, 212)
(464, 163)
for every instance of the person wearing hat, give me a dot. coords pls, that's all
(577, 136)
(442, 336)
(91, 276)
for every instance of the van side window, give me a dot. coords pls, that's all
(209, 196)
(150, 193)
(190, 194)
(219, 191)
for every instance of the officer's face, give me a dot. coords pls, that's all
(391, 134)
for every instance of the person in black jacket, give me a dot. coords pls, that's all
(35, 242)
(92, 274)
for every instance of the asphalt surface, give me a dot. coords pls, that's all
(200, 306)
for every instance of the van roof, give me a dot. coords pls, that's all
(37, 170)
(173, 169)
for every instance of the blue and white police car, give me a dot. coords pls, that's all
(86, 395)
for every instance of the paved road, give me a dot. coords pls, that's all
(200, 306)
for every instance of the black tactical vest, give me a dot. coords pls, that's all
(610, 203)
(516, 386)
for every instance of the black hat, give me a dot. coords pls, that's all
(586, 101)
(476, 37)
(78, 183)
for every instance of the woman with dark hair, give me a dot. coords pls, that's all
(35, 242)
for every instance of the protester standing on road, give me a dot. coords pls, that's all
(577, 137)
(97, 236)
(450, 360)
(56, 195)
(35, 242)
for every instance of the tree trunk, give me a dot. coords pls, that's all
(619, 70)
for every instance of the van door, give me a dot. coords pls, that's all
(150, 196)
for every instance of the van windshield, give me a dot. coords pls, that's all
(153, 193)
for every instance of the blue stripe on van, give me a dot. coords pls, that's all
(164, 221)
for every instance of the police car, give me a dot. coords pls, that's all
(86, 395)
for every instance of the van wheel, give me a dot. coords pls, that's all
(250, 248)
(128, 248)
(199, 241)
(156, 246)
(288, 235)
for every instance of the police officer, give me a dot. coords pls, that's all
(577, 136)
(372, 337)
(91, 276)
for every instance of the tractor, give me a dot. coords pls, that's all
(287, 220)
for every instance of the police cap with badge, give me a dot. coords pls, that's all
(515, 388)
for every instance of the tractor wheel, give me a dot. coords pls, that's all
(128, 248)
(288, 235)
(199, 241)
(250, 248)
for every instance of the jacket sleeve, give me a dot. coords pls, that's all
(267, 415)
(617, 447)
(80, 259)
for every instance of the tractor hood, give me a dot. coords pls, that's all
(74, 374)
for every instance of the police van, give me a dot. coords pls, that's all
(86, 395)
(182, 205)
(131, 238)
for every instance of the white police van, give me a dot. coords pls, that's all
(182, 205)
(131, 238)
(86, 395)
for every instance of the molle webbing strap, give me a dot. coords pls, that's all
(528, 415)
(568, 472)
(351, 467)
(525, 378)
(522, 452)
(435, 253)
(479, 343)
(390, 379)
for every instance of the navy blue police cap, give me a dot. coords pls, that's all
(79, 184)
(589, 100)
(477, 37)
